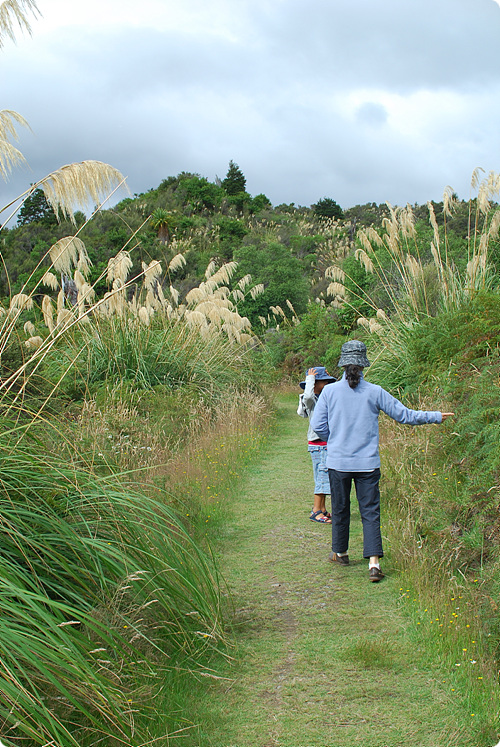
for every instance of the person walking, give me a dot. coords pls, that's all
(316, 379)
(346, 417)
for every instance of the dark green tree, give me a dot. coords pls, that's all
(235, 181)
(35, 208)
(260, 202)
(328, 208)
(200, 194)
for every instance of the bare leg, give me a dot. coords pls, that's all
(319, 505)
(319, 502)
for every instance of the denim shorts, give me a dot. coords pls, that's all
(320, 470)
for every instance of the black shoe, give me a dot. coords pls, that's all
(376, 574)
(341, 559)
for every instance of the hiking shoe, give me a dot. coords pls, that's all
(341, 559)
(376, 574)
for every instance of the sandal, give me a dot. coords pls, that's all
(320, 517)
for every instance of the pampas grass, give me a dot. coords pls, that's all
(10, 156)
(79, 183)
(14, 13)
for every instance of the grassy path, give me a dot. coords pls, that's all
(323, 657)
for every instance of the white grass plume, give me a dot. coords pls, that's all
(13, 14)
(335, 273)
(119, 267)
(151, 273)
(257, 290)
(245, 280)
(336, 289)
(21, 301)
(10, 156)
(177, 262)
(33, 343)
(174, 294)
(78, 184)
(50, 280)
(48, 313)
(65, 254)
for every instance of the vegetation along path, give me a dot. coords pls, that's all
(323, 657)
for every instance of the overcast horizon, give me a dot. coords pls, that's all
(347, 99)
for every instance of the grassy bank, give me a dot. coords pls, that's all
(114, 568)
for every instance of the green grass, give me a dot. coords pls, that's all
(321, 656)
(105, 597)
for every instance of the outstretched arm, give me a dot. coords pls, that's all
(397, 411)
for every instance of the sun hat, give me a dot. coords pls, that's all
(321, 375)
(353, 353)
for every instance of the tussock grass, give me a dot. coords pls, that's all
(103, 594)
(445, 584)
(408, 281)
(171, 354)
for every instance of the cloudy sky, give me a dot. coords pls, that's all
(358, 100)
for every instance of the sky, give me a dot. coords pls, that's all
(356, 100)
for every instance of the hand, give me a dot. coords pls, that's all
(312, 372)
(445, 415)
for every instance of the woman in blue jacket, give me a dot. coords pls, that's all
(346, 417)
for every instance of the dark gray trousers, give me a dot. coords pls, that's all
(368, 495)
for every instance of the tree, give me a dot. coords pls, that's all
(328, 208)
(260, 202)
(162, 221)
(235, 181)
(36, 209)
(199, 193)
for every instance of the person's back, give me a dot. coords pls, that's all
(346, 416)
(353, 442)
(354, 439)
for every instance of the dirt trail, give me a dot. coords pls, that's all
(324, 658)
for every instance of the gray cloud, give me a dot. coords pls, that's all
(352, 99)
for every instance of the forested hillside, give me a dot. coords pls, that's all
(285, 247)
